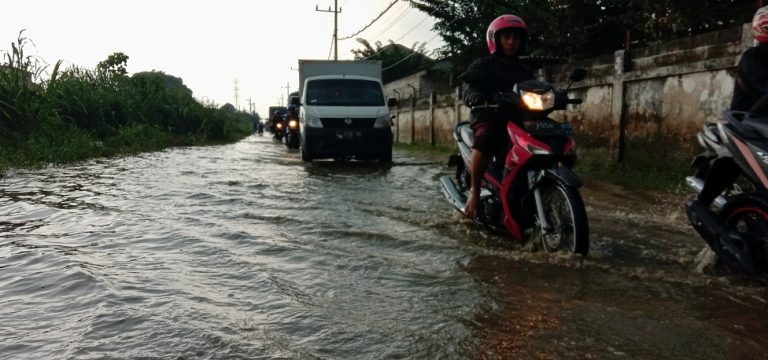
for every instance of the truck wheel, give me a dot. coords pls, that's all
(386, 157)
(305, 156)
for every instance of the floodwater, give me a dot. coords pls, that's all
(244, 251)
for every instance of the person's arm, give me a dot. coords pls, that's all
(476, 93)
(755, 68)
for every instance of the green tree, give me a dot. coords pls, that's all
(114, 65)
(579, 28)
(397, 60)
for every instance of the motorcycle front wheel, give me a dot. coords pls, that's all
(567, 218)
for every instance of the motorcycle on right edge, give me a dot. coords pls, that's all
(529, 192)
(730, 211)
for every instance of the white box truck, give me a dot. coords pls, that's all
(343, 112)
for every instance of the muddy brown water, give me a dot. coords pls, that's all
(244, 251)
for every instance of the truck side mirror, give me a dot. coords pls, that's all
(295, 101)
(392, 102)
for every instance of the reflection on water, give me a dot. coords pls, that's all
(245, 251)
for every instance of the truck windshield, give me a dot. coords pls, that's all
(344, 92)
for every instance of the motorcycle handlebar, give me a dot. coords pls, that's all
(575, 101)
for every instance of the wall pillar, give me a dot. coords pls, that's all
(618, 118)
(457, 104)
(432, 97)
(413, 119)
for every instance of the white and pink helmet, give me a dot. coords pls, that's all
(760, 25)
(505, 22)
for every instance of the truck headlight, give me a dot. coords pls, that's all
(383, 122)
(311, 121)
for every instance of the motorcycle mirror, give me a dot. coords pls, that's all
(391, 102)
(578, 74)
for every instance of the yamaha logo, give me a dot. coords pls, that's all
(348, 121)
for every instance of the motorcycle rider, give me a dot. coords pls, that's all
(507, 37)
(292, 112)
(751, 85)
(752, 79)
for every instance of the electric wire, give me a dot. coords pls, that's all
(409, 55)
(416, 52)
(409, 31)
(372, 21)
(331, 49)
(403, 11)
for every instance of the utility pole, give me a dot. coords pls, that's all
(237, 96)
(287, 88)
(336, 11)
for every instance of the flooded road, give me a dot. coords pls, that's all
(244, 251)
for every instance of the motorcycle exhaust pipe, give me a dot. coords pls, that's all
(452, 193)
(697, 185)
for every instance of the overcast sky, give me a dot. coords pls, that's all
(209, 43)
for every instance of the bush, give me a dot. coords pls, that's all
(80, 113)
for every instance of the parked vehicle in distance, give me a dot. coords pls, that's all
(343, 113)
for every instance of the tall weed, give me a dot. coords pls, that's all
(79, 113)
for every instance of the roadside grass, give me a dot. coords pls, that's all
(642, 170)
(73, 114)
(427, 149)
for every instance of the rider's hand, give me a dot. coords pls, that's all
(470, 209)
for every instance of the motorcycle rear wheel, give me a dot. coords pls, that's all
(747, 215)
(567, 216)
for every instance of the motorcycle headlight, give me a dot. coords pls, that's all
(382, 122)
(311, 121)
(279, 125)
(538, 102)
(293, 124)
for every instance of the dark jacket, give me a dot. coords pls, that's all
(500, 75)
(752, 79)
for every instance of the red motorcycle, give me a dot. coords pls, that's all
(529, 192)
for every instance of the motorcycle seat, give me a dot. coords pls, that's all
(752, 125)
(757, 126)
(467, 135)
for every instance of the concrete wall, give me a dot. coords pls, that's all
(657, 96)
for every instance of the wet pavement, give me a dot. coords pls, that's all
(244, 251)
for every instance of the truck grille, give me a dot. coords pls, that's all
(354, 123)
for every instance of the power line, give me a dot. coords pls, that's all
(372, 21)
(330, 50)
(416, 52)
(409, 31)
(396, 18)
(409, 55)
